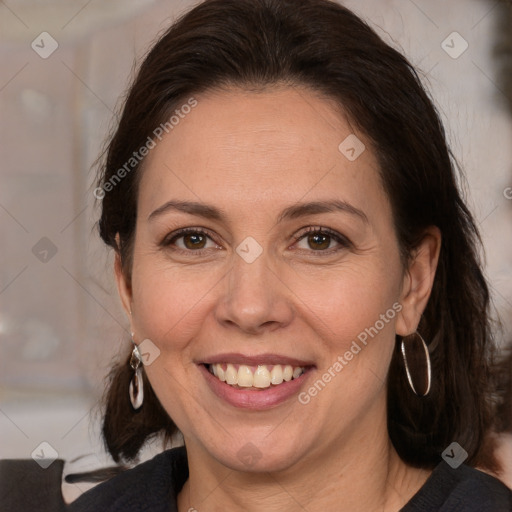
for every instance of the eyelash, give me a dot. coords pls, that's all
(343, 241)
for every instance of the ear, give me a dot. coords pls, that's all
(123, 286)
(418, 281)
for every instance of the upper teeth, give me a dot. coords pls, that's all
(261, 377)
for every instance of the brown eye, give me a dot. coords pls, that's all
(194, 240)
(319, 240)
(188, 240)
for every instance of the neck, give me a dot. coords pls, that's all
(359, 472)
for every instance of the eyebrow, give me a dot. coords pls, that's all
(289, 213)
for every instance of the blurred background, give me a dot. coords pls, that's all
(65, 65)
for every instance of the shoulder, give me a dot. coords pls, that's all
(27, 484)
(461, 489)
(146, 487)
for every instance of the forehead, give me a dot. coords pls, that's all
(263, 148)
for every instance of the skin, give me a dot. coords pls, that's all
(252, 154)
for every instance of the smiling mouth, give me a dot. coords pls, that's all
(241, 376)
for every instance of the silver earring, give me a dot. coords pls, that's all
(136, 389)
(415, 352)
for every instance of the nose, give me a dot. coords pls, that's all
(254, 299)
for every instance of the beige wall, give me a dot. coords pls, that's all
(60, 320)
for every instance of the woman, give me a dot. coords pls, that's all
(300, 274)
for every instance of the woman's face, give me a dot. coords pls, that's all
(293, 261)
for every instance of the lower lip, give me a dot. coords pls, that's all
(252, 399)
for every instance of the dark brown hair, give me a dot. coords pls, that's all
(323, 46)
(504, 390)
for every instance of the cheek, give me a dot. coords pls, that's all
(169, 303)
(353, 313)
(345, 301)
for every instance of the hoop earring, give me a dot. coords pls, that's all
(136, 389)
(414, 359)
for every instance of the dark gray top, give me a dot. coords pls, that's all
(154, 485)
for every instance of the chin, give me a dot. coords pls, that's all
(256, 456)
